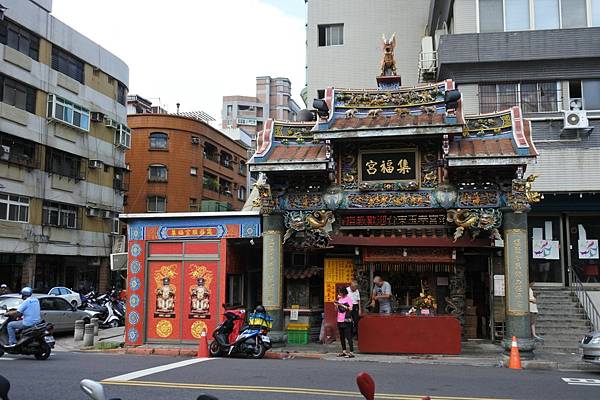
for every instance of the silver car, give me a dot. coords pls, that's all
(54, 310)
(590, 345)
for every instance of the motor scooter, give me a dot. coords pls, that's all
(232, 337)
(36, 340)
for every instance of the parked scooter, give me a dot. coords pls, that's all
(232, 337)
(35, 340)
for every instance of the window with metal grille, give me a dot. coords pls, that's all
(159, 140)
(63, 163)
(17, 94)
(60, 215)
(16, 150)
(14, 208)
(533, 97)
(20, 39)
(67, 63)
(157, 173)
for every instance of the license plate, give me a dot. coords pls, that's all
(49, 339)
(266, 339)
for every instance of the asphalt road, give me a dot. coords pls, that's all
(128, 377)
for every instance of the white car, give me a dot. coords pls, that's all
(72, 297)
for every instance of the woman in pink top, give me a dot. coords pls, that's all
(344, 321)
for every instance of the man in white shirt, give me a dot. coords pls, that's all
(356, 307)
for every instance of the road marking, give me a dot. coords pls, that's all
(582, 381)
(7, 359)
(155, 370)
(276, 389)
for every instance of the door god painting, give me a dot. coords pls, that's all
(166, 292)
(200, 292)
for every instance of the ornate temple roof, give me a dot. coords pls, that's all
(502, 138)
(403, 111)
(288, 146)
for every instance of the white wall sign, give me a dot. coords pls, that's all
(499, 285)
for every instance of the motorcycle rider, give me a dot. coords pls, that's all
(4, 289)
(30, 309)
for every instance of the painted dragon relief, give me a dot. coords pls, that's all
(313, 226)
(476, 221)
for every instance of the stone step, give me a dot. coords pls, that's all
(552, 295)
(560, 318)
(567, 325)
(559, 307)
(556, 300)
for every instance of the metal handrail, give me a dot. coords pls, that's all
(584, 299)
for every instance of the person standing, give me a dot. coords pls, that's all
(533, 313)
(30, 310)
(382, 294)
(354, 294)
(344, 322)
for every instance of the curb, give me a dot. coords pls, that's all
(291, 356)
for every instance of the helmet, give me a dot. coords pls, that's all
(260, 310)
(26, 291)
(3, 286)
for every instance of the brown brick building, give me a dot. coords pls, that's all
(180, 164)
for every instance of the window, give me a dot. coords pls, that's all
(225, 188)
(573, 13)
(532, 97)
(229, 110)
(595, 12)
(14, 208)
(584, 94)
(115, 226)
(19, 39)
(516, 15)
(17, 94)
(157, 173)
(69, 113)
(241, 193)
(211, 152)
(210, 182)
(226, 160)
(67, 63)
(547, 15)
(121, 181)
(331, 35)
(159, 140)
(156, 204)
(18, 151)
(60, 215)
(63, 163)
(242, 168)
(123, 136)
(121, 94)
(193, 171)
(194, 204)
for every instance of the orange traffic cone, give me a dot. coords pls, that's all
(203, 346)
(515, 360)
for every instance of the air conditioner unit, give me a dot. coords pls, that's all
(92, 212)
(110, 123)
(107, 214)
(96, 116)
(576, 119)
(96, 164)
(4, 153)
(195, 140)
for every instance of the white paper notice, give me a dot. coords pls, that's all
(499, 285)
(588, 249)
(538, 233)
(545, 249)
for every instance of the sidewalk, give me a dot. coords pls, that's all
(106, 339)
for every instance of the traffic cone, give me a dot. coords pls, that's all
(515, 360)
(203, 346)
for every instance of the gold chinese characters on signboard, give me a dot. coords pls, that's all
(389, 165)
(337, 270)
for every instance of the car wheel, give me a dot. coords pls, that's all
(44, 352)
(74, 303)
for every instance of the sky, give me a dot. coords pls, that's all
(194, 52)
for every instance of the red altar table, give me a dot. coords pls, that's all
(401, 334)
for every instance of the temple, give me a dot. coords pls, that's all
(397, 182)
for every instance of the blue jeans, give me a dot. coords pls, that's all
(12, 327)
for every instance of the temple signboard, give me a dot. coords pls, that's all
(389, 165)
(391, 220)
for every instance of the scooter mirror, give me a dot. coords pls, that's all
(92, 389)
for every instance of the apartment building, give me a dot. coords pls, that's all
(544, 56)
(63, 132)
(343, 39)
(273, 100)
(180, 164)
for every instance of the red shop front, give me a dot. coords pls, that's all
(177, 269)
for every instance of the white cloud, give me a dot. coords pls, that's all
(193, 52)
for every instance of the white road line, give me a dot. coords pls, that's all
(7, 359)
(582, 381)
(149, 371)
